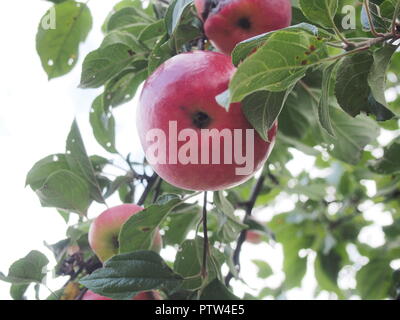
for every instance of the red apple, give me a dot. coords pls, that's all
(178, 98)
(104, 231)
(253, 237)
(147, 295)
(228, 22)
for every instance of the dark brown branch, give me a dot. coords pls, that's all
(150, 183)
(242, 237)
(205, 243)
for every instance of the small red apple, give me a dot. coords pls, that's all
(147, 295)
(177, 105)
(253, 237)
(104, 231)
(228, 22)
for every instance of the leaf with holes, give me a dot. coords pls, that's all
(60, 33)
(103, 125)
(80, 163)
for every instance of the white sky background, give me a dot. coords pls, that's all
(35, 119)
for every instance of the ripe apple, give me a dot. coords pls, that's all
(228, 22)
(104, 231)
(147, 295)
(253, 237)
(181, 95)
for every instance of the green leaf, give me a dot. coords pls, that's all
(80, 163)
(353, 90)
(128, 18)
(44, 168)
(352, 135)
(374, 280)
(124, 275)
(175, 12)
(319, 11)
(247, 47)
(17, 291)
(377, 77)
(298, 115)
(58, 44)
(229, 226)
(138, 231)
(30, 269)
(389, 163)
(117, 184)
(313, 190)
(103, 125)
(181, 223)
(189, 260)
(216, 290)
(293, 238)
(161, 52)
(65, 190)
(262, 108)
(278, 64)
(264, 269)
(327, 269)
(378, 22)
(123, 87)
(154, 30)
(323, 106)
(117, 52)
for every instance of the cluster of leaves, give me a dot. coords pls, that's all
(327, 88)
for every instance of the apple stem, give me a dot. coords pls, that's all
(205, 243)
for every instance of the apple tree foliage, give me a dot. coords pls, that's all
(335, 90)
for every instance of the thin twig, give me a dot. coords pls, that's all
(394, 20)
(205, 243)
(150, 183)
(340, 35)
(157, 189)
(242, 237)
(371, 23)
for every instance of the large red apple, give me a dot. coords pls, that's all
(104, 231)
(228, 22)
(177, 101)
(148, 295)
